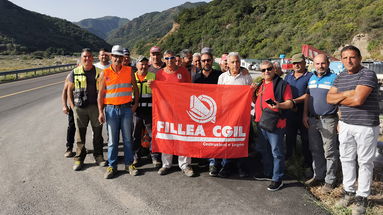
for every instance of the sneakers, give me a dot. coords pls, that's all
(156, 163)
(188, 171)
(99, 160)
(262, 177)
(68, 153)
(327, 188)
(359, 206)
(78, 165)
(275, 185)
(313, 182)
(110, 172)
(132, 169)
(346, 200)
(213, 171)
(163, 171)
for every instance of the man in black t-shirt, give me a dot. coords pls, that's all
(207, 75)
(356, 92)
(82, 92)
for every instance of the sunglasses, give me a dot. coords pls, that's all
(206, 60)
(169, 58)
(268, 69)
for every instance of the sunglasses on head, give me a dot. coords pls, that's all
(206, 60)
(268, 69)
(169, 58)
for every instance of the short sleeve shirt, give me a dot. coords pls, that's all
(154, 69)
(267, 91)
(318, 88)
(181, 75)
(227, 79)
(298, 85)
(366, 114)
(211, 79)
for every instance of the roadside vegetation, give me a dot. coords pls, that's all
(375, 207)
(16, 62)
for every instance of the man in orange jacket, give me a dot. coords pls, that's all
(116, 88)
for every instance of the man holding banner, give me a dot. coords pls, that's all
(234, 76)
(173, 73)
(192, 120)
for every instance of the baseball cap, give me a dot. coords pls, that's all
(155, 49)
(126, 51)
(206, 50)
(142, 58)
(297, 58)
(117, 50)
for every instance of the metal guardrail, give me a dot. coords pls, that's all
(17, 74)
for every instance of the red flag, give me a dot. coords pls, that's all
(201, 120)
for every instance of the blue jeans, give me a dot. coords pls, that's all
(119, 119)
(270, 145)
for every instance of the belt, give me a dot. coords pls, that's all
(126, 105)
(324, 116)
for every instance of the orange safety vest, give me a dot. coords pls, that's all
(118, 86)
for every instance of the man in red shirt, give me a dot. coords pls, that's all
(275, 89)
(173, 73)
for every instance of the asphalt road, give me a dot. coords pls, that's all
(35, 178)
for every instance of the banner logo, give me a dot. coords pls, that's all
(199, 112)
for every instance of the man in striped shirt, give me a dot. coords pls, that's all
(356, 92)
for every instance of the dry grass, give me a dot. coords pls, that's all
(16, 62)
(375, 206)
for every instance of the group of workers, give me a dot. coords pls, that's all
(336, 116)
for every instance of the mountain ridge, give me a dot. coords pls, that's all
(24, 31)
(102, 26)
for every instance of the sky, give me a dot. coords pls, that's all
(76, 10)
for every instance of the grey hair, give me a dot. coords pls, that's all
(185, 52)
(235, 54)
(266, 62)
(196, 55)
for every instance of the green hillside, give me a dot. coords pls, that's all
(103, 26)
(259, 29)
(147, 28)
(23, 31)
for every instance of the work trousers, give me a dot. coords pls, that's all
(142, 119)
(167, 161)
(357, 142)
(82, 117)
(294, 124)
(323, 144)
(71, 130)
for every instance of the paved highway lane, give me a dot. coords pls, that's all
(36, 178)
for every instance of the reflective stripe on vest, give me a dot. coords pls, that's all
(119, 88)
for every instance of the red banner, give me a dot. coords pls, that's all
(201, 120)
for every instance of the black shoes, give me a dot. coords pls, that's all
(275, 185)
(213, 171)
